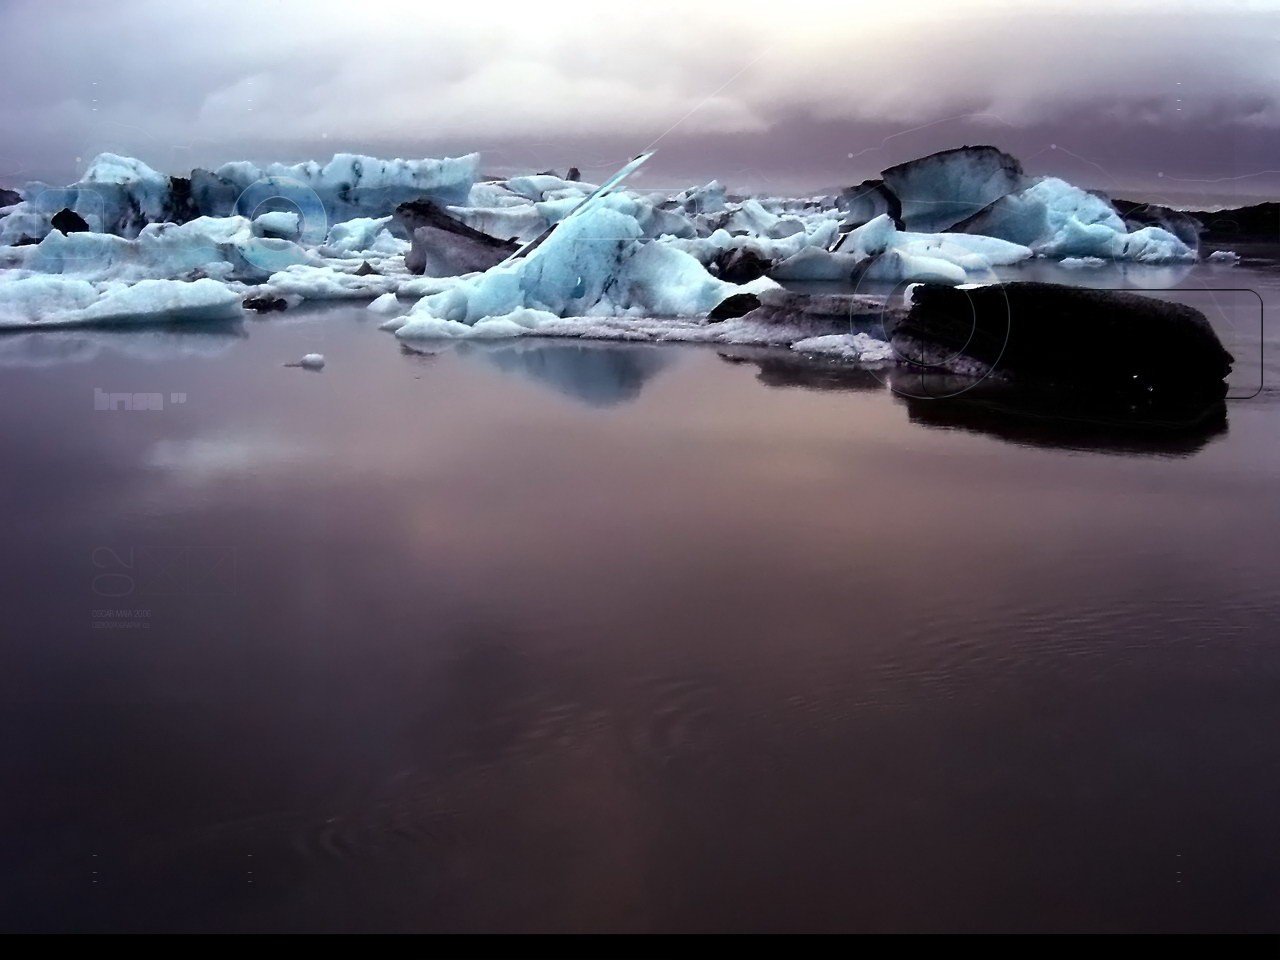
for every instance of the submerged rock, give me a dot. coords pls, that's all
(1120, 348)
(444, 246)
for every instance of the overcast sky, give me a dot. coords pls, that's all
(1171, 98)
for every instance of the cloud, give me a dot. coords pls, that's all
(168, 80)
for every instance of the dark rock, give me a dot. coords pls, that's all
(734, 306)
(265, 304)
(573, 175)
(444, 246)
(938, 191)
(1137, 215)
(9, 197)
(1118, 348)
(180, 205)
(1259, 223)
(741, 265)
(367, 271)
(68, 221)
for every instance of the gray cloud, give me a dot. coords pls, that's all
(762, 94)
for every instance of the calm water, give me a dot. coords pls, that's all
(553, 636)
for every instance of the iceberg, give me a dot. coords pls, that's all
(1056, 219)
(118, 195)
(121, 195)
(222, 248)
(880, 251)
(593, 264)
(45, 301)
(940, 190)
(347, 187)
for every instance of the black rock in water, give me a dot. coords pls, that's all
(265, 304)
(573, 175)
(734, 306)
(68, 221)
(444, 246)
(1130, 350)
(9, 197)
(367, 271)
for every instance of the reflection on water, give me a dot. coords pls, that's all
(79, 345)
(414, 644)
(596, 374)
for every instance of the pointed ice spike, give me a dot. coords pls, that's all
(602, 191)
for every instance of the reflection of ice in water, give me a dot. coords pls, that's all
(595, 374)
(45, 348)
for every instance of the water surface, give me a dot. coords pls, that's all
(563, 636)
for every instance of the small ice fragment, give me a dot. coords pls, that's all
(1224, 256)
(385, 304)
(312, 361)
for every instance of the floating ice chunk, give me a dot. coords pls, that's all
(281, 224)
(1229, 257)
(117, 195)
(1057, 219)
(311, 361)
(30, 299)
(347, 187)
(324, 282)
(814, 263)
(522, 222)
(488, 193)
(218, 247)
(879, 251)
(1082, 263)
(750, 217)
(940, 190)
(41, 301)
(594, 263)
(540, 186)
(709, 198)
(167, 300)
(363, 235)
(849, 346)
(385, 304)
